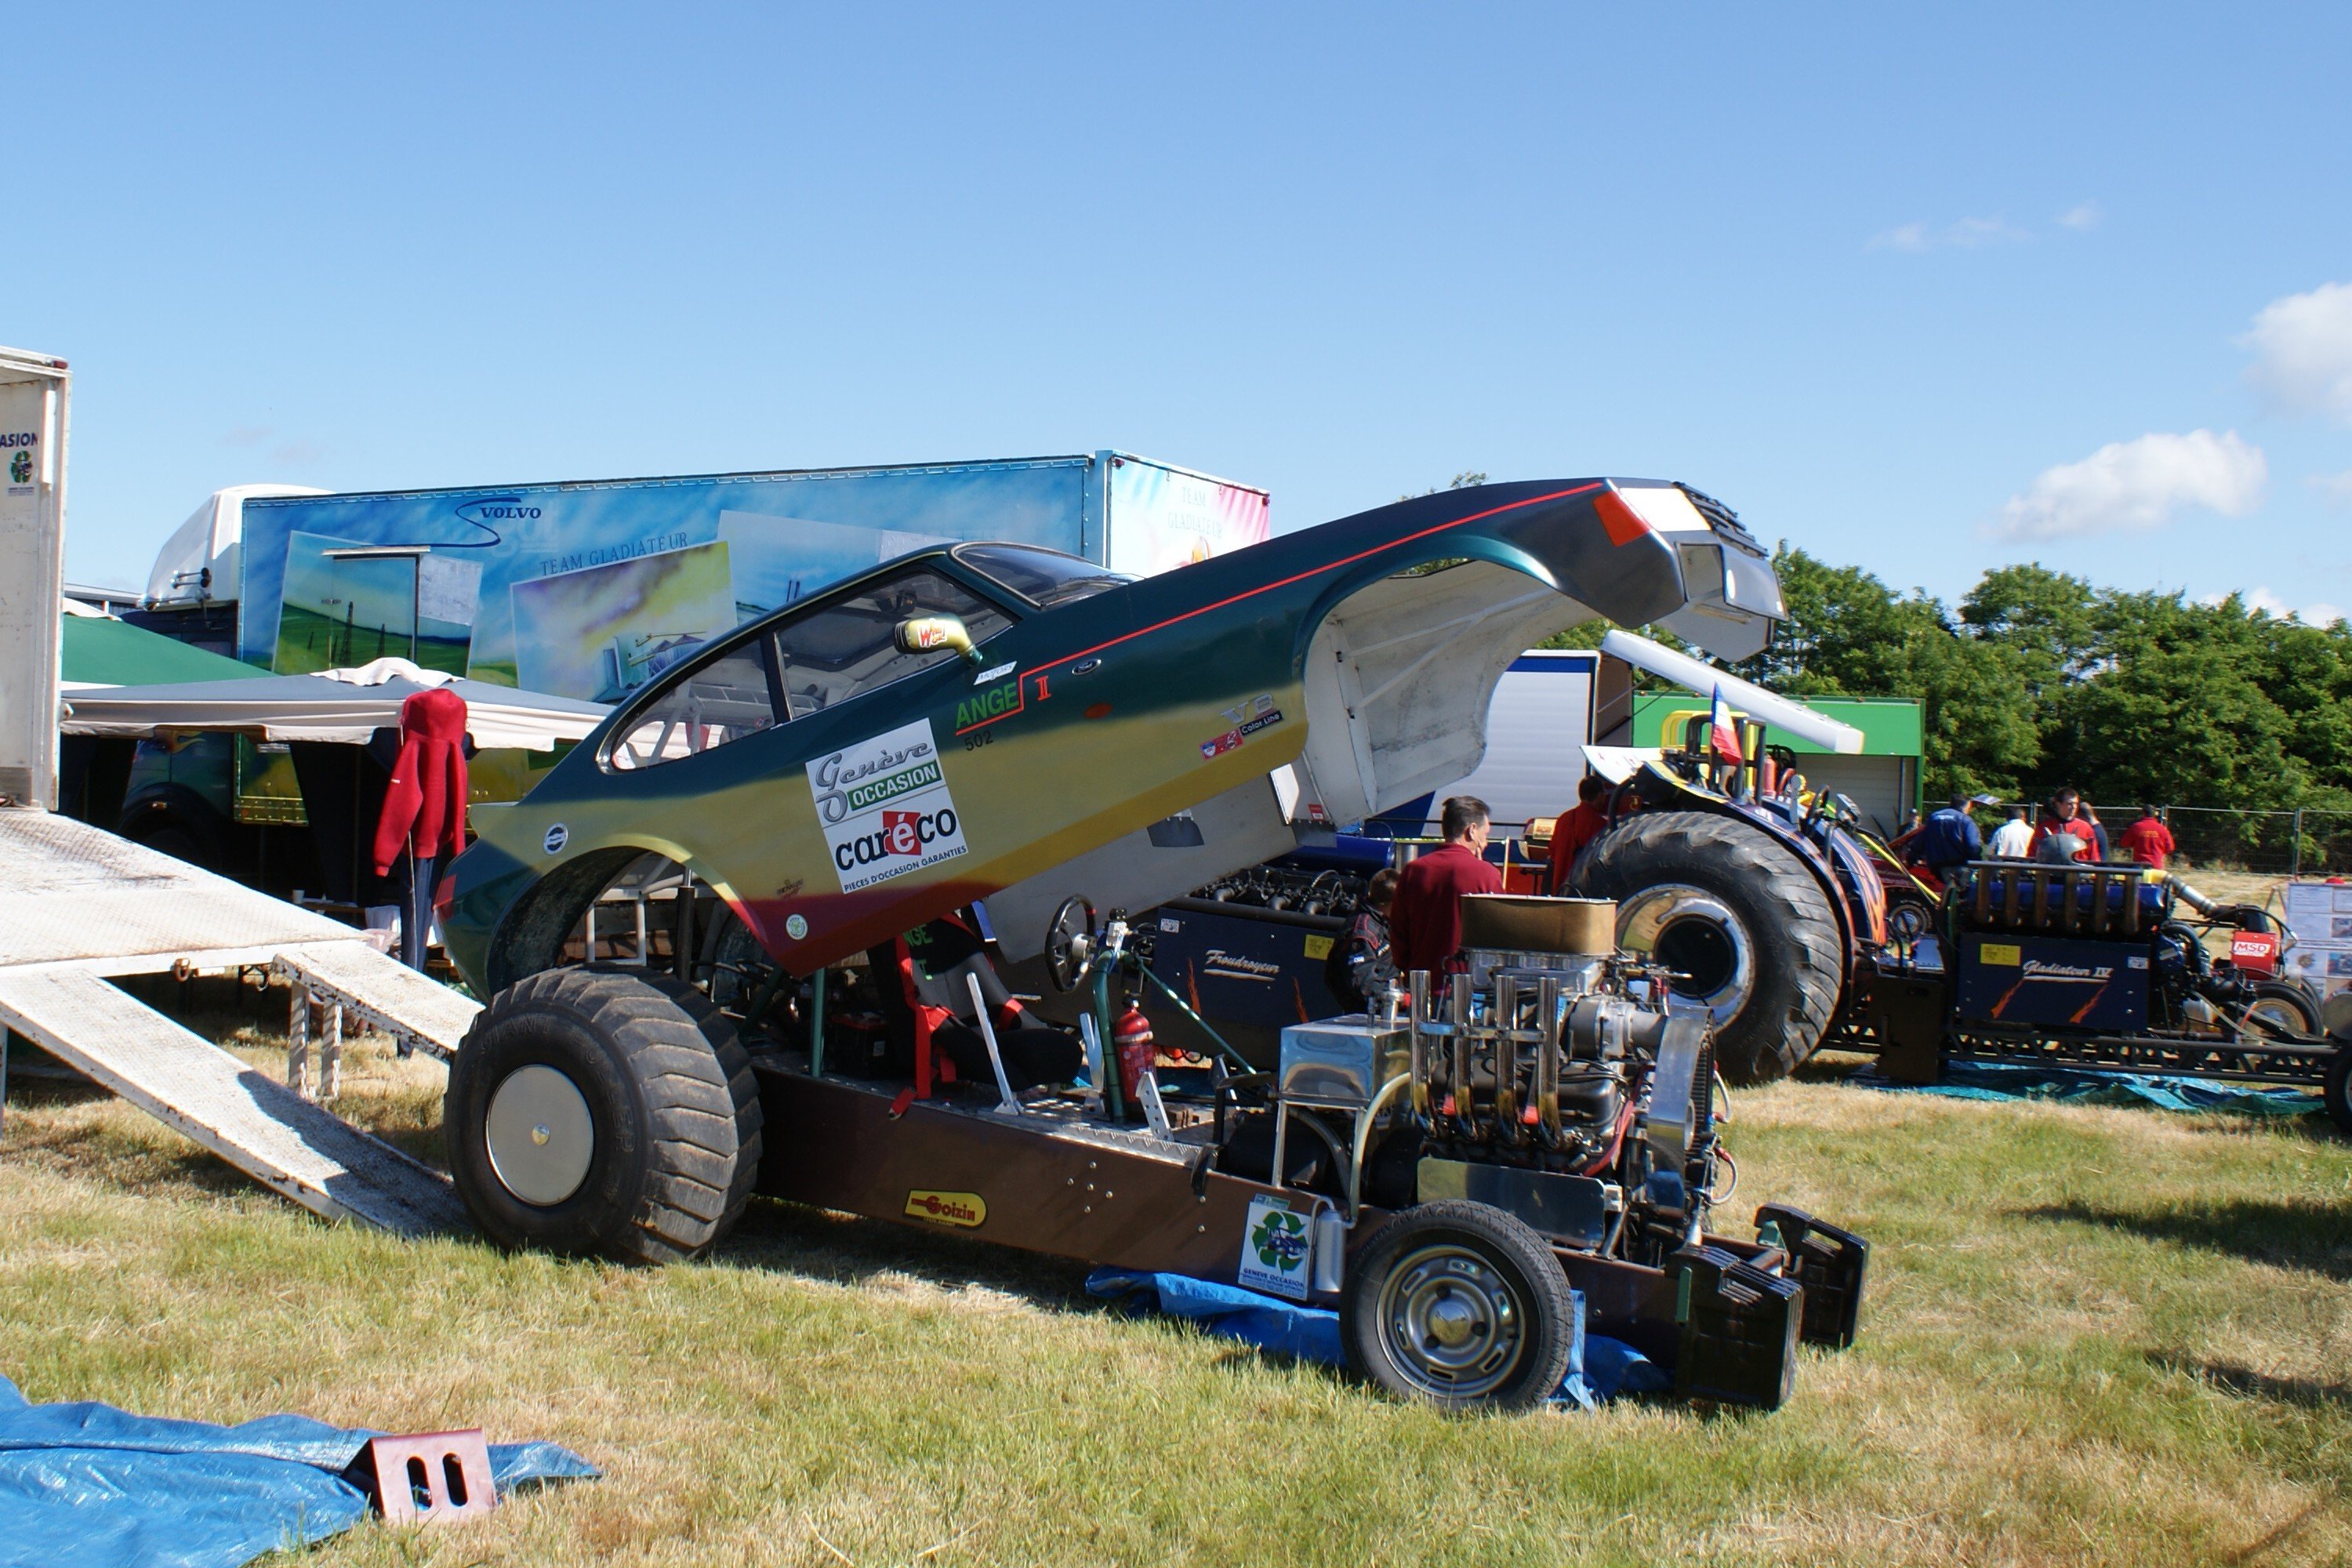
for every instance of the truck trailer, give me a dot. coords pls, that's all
(584, 589)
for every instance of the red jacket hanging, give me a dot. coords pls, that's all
(424, 806)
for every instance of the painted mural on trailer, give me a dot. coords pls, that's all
(1166, 518)
(592, 590)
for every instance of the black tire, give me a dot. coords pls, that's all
(1778, 913)
(670, 1106)
(2336, 1090)
(173, 820)
(2289, 1003)
(1503, 1287)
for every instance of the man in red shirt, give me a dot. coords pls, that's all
(1577, 828)
(2063, 818)
(2147, 840)
(1425, 921)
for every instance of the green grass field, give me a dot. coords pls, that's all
(2101, 1336)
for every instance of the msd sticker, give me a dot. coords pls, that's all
(885, 806)
(2256, 951)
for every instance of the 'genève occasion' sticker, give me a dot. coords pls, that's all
(885, 806)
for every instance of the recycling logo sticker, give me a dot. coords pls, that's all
(1278, 1244)
(20, 469)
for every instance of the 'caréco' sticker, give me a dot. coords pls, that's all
(885, 806)
(557, 837)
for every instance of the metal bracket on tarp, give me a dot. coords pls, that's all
(429, 1478)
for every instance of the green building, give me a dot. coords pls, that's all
(1883, 779)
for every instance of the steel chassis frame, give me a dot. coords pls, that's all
(1056, 1181)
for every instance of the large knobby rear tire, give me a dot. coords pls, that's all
(1460, 1306)
(1722, 899)
(597, 1112)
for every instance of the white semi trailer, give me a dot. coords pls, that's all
(34, 399)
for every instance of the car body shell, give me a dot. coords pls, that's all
(1306, 678)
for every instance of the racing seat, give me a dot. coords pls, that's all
(929, 1012)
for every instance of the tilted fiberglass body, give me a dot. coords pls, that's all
(1037, 769)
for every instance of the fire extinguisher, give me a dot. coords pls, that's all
(1130, 1040)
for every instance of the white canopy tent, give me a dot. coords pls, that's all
(344, 705)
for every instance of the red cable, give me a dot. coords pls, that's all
(1616, 1141)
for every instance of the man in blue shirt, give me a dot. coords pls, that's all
(1948, 840)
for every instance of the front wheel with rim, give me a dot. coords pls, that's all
(1460, 1306)
(595, 1112)
(2284, 1007)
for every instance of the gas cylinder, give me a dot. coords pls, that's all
(1130, 1040)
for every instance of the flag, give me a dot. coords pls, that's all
(1721, 733)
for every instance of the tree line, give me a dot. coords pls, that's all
(2038, 680)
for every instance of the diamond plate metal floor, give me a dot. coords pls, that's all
(79, 904)
(238, 1113)
(74, 894)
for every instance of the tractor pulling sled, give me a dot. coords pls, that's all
(925, 764)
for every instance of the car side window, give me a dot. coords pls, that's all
(845, 649)
(727, 699)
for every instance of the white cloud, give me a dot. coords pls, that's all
(2081, 219)
(2271, 604)
(2336, 488)
(2302, 351)
(2136, 485)
(1965, 233)
(1970, 232)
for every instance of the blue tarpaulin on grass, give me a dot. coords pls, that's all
(1600, 1369)
(2089, 1086)
(84, 1485)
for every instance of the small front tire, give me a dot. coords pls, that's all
(1460, 1306)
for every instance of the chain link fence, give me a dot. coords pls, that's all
(2270, 843)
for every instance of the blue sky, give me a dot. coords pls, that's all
(1918, 292)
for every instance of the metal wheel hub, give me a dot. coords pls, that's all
(1691, 932)
(540, 1136)
(2282, 1017)
(1454, 1324)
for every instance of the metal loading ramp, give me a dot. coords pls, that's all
(75, 895)
(254, 1122)
(420, 1014)
(79, 904)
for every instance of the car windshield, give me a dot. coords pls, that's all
(849, 647)
(1044, 577)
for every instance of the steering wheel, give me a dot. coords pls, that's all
(1069, 942)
